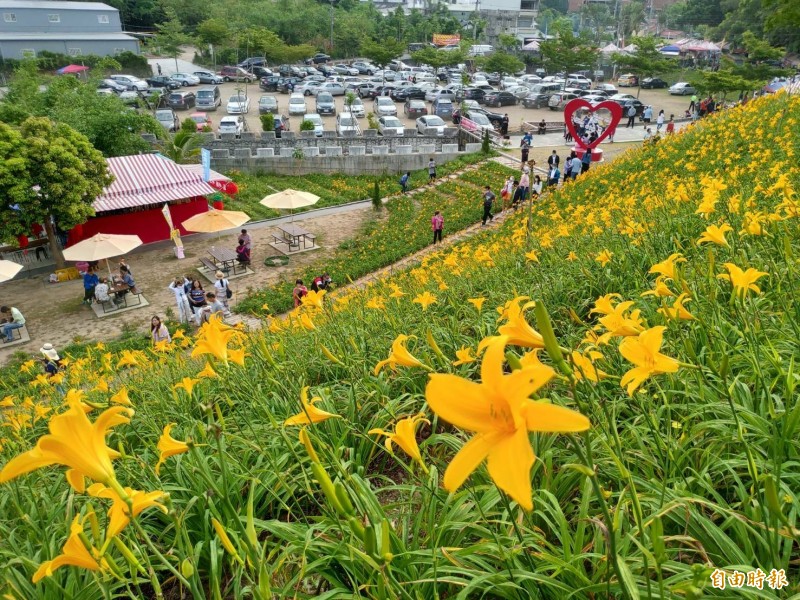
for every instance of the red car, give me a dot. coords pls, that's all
(201, 119)
(415, 108)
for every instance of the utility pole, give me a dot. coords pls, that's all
(331, 50)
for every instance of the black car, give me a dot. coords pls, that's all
(379, 90)
(494, 118)
(181, 100)
(163, 81)
(476, 94)
(326, 70)
(260, 71)
(255, 61)
(626, 104)
(407, 93)
(269, 83)
(318, 58)
(493, 78)
(499, 99)
(364, 89)
(651, 83)
(290, 71)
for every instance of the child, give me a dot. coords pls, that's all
(671, 125)
(431, 170)
(437, 224)
(404, 182)
(507, 191)
(298, 292)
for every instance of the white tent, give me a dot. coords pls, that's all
(609, 49)
(532, 46)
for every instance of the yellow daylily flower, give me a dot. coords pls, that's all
(516, 327)
(376, 303)
(643, 351)
(584, 366)
(313, 299)
(464, 356)
(236, 356)
(532, 256)
(74, 554)
(207, 372)
(129, 358)
(405, 436)
(310, 413)
(501, 414)
(604, 305)
(531, 359)
(667, 266)
(661, 289)
(121, 397)
(620, 323)
(396, 291)
(214, 339)
(572, 256)
(178, 335)
(477, 302)
(425, 300)
(187, 385)
(604, 257)
(168, 446)
(715, 235)
(76, 443)
(677, 311)
(7, 402)
(118, 515)
(102, 385)
(399, 356)
(742, 281)
(27, 366)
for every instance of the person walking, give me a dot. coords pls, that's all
(524, 185)
(223, 291)
(246, 238)
(437, 224)
(488, 202)
(568, 166)
(671, 125)
(431, 170)
(504, 125)
(631, 117)
(525, 147)
(553, 176)
(660, 120)
(553, 160)
(693, 103)
(507, 192)
(158, 68)
(404, 182)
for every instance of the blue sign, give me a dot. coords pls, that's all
(205, 159)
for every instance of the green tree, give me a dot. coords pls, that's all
(439, 58)
(503, 63)
(49, 173)
(381, 53)
(646, 61)
(568, 52)
(783, 13)
(632, 16)
(183, 147)
(171, 36)
(214, 31)
(560, 6)
(722, 82)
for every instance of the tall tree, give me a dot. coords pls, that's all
(503, 63)
(568, 52)
(631, 18)
(171, 36)
(646, 60)
(439, 58)
(49, 174)
(381, 53)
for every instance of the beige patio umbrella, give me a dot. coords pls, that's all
(8, 269)
(215, 220)
(102, 245)
(289, 199)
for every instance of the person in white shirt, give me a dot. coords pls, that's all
(221, 287)
(101, 291)
(178, 287)
(13, 320)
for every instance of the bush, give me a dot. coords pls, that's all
(267, 122)
(48, 62)
(376, 196)
(306, 125)
(372, 121)
(486, 145)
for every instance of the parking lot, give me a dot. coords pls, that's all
(659, 99)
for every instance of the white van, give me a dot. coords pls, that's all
(480, 50)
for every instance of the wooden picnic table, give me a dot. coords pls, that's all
(292, 235)
(224, 258)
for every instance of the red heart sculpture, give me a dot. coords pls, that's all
(579, 103)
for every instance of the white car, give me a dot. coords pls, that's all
(430, 122)
(433, 94)
(509, 82)
(307, 88)
(357, 108)
(238, 105)
(346, 124)
(231, 125)
(384, 107)
(579, 81)
(682, 89)
(481, 120)
(390, 126)
(297, 104)
(131, 82)
(332, 87)
(186, 79)
(427, 86)
(319, 126)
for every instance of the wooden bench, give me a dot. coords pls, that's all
(208, 264)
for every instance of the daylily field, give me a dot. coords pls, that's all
(604, 405)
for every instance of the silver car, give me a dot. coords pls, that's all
(430, 122)
(333, 88)
(319, 126)
(390, 126)
(186, 79)
(384, 107)
(167, 118)
(208, 77)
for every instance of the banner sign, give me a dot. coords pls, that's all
(205, 160)
(446, 39)
(469, 125)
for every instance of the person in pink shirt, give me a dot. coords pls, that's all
(437, 224)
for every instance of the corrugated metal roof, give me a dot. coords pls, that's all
(55, 5)
(64, 37)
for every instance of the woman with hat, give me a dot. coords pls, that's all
(51, 359)
(223, 291)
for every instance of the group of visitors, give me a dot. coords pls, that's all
(97, 289)
(319, 283)
(244, 248)
(195, 304)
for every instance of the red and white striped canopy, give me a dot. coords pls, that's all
(145, 179)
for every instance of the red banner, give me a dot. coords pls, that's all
(446, 39)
